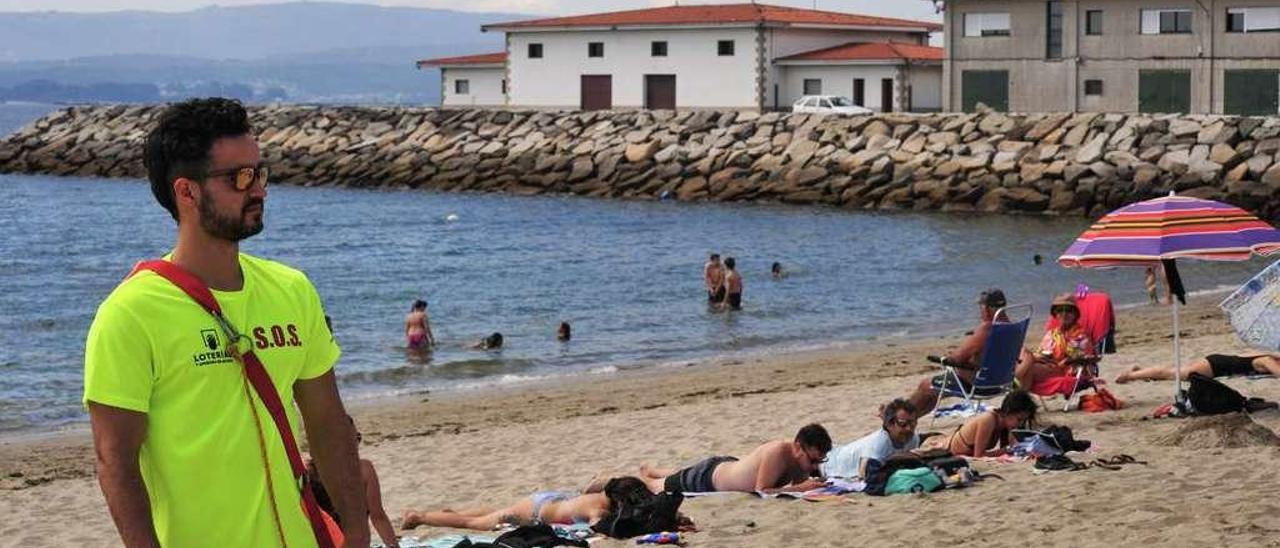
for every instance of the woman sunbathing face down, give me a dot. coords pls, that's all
(550, 507)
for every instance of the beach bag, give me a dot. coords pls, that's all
(1062, 438)
(651, 514)
(326, 530)
(878, 472)
(1210, 397)
(913, 480)
(1101, 400)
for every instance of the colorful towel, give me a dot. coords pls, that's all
(835, 488)
(447, 541)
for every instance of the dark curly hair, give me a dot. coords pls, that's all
(179, 144)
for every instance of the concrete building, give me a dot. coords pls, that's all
(471, 80)
(735, 56)
(1192, 56)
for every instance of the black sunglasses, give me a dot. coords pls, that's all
(903, 422)
(242, 177)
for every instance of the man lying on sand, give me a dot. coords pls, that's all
(1213, 365)
(550, 507)
(775, 467)
(898, 433)
(967, 358)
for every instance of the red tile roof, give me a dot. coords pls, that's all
(870, 51)
(480, 59)
(717, 14)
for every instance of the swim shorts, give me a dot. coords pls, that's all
(1226, 366)
(696, 478)
(541, 499)
(735, 301)
(716, 296)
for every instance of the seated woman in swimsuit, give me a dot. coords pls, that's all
(1213, 365)
(545, 507)
(988, 434)
(1062, 347)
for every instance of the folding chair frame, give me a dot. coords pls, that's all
(950, 374)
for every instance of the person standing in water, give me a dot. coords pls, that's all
(713, 276)
(417, 327)
(732, 284)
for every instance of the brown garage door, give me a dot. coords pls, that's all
(597, 92)
(660, 91)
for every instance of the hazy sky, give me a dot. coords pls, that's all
(916, 9)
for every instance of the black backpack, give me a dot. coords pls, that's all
(652, 514)
(878, 472)
(1210, 397)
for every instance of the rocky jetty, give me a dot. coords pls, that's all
(1064, 164)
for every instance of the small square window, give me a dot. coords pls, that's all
(462, 87)
(595, 49)
(535, 51)
(1093, 87)
(1093, 22)
(812, 86)
(724, 48)
(1175, 22)
(658, 49)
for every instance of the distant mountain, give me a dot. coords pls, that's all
(247, 32)
(311, 51)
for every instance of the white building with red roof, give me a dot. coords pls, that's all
(725, 56)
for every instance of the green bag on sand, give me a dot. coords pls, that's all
(912, 480)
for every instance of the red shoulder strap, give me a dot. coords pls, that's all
(258, 378)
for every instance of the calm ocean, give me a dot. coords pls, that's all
(626, 275)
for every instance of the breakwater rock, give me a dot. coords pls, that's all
(1069, 164)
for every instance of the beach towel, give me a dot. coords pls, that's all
(961, 410)
(446, 541)
(834, 489)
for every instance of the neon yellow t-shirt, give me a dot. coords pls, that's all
(152, 349)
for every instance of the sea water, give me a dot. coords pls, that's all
(626, 275)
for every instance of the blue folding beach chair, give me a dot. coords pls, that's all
(1000, 357)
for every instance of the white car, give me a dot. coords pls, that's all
(827, 104)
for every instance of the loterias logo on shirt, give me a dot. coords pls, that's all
(212, 351)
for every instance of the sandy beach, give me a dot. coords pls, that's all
(494, 446)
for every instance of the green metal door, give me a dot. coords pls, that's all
(989, 87)
(1252, 92)
(1164, 91)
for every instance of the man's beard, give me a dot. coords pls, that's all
(228, 227)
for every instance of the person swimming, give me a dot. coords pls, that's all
(563, 333)
(492, 342)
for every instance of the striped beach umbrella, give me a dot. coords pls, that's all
(1172, 227)
(1157, 232)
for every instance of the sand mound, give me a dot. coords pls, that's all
(1230, 430)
